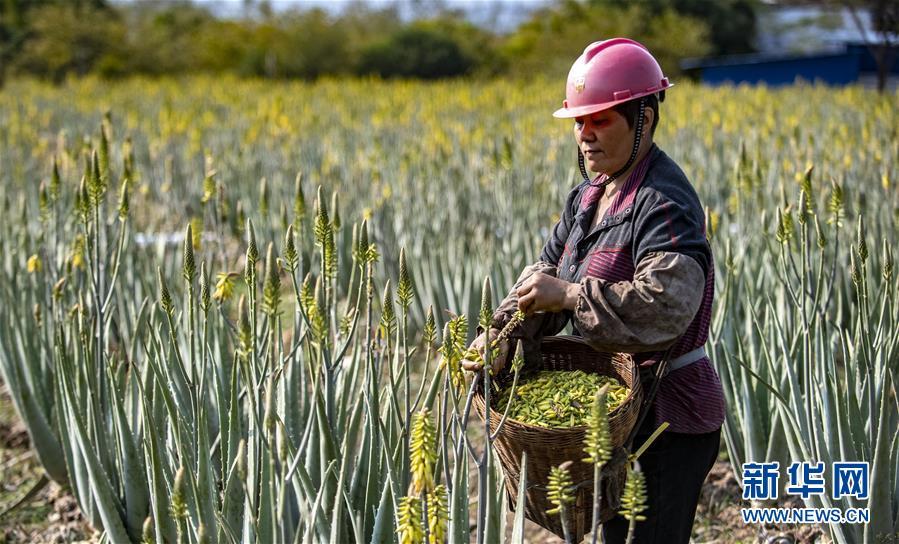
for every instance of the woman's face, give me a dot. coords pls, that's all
(605, 140)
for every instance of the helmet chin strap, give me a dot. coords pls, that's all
(638, 137)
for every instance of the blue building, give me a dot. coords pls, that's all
(855, 64)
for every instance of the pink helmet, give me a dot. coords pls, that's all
(609, 73)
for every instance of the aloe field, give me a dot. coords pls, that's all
(235, 310)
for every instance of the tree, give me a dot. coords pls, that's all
(165, 38)
(550, 41)
(417, 51)
(885, 20)
(730, 23)
(15, 27)
(77, 37)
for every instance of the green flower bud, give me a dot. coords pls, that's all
(485, 316)
(43, 201)
(887, 262)
(862, 245)
(299, 201)
(179, 505)
(597, 440)
(335, 211)
(633, 499)
(429, 332)
(55, 182)
(252, 249)
(205, 288)
(189, 267)
(559, 488)
(149, 531)
(836, 205)
(271, 289)
(822, 241)
(263, 197)
(388, 315)
(405, 289)
(124, 200)
(290, 250)
(244, 330)
(103, 158)
(165, 298)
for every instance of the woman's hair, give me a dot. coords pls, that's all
(630, 109)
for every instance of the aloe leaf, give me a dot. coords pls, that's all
(494, 527)
(157, 472)
(110, 510)
(133, 477)
(232, 502)
(205, 490)
(459, 529)
(265, 529)
(41, 431)
(382, 532)
(520, 502)
(879, 501)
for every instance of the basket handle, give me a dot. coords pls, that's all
(661, 367)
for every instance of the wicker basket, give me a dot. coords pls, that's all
(547, 448)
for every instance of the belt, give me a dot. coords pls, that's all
(686, 359)
(647, 378)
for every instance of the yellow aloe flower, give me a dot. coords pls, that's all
(34, 264)
(224, 286)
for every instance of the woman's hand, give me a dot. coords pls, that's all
(498, 362)
(544, 293)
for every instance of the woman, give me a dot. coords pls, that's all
(628, 263)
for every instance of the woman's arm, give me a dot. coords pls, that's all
(651, 311)
(647, 314)
(671, 256)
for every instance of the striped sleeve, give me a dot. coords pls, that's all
(646, 314)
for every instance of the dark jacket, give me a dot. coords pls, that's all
(646, 276)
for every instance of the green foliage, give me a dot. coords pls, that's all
(52, 39)
(419, 51)
(730, 23)
(551, 40)
(300, 44)
(55, 38)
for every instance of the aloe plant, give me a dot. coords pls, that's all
(291, 413)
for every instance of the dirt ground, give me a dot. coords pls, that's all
(52, 515)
